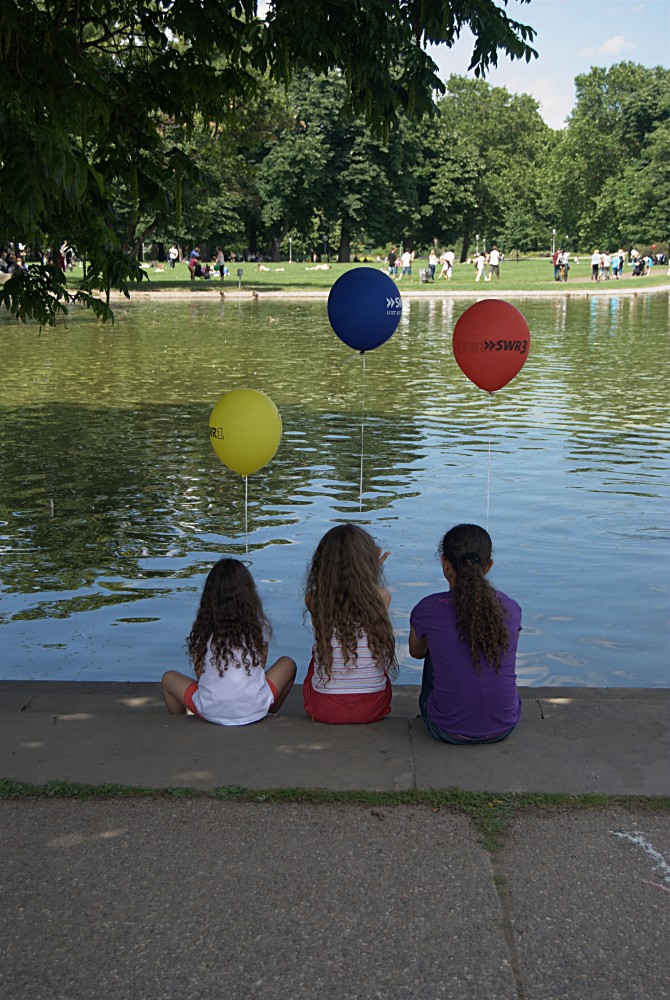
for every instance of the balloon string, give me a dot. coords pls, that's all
(488, 470)
(246, 515)
(360, 494)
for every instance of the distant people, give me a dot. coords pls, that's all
(349, 677)
(616, 265)
(595, 265)
(17, 264)
(220, 263)
(467, 638)
(564, 265)
(556, 261)
(315, 267)
(173, 254)
(392, 261)
(449, 258)
(432, 264)
(228, 645)
(494, 263)
(406, 260)
(195, 252)
(480, 264)
(195, 267)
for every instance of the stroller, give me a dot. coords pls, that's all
(639, 267)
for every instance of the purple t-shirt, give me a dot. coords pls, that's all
(464, 700)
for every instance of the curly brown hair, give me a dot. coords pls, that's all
(342, 593)
(479, 613)
(230, 618)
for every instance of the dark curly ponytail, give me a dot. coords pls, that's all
(479, 613)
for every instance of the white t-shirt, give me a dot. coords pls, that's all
(406, 259)
(494, 259)
(239, 697)
(362, 677)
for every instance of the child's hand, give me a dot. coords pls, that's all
(383, 556)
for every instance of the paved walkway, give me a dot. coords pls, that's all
(202, 898)
(579, 740)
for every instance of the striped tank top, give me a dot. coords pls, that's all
(363, 677)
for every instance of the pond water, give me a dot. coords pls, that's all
(113, 505)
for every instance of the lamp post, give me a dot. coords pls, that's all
(290, 250)
(553, 242)
(325, 245)
(477, 242)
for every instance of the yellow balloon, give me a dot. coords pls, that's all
(245, 430)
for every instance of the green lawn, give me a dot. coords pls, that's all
(528, 274)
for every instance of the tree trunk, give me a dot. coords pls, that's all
(134, 244)
(252, 237)
(466, 245)
(275, 255)
(344, 251)
(275, 249)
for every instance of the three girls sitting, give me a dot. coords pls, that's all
(467, 637)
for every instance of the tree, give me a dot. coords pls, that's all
(89, 90)
(482, 154)
(615, 115)
(332, 174)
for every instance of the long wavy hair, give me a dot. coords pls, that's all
(479, 614)
(230, 618)
(342, 594)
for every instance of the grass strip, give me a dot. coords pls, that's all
(529, 274)
(490, 813)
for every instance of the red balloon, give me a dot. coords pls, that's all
(491, 343)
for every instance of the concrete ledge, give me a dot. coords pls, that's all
(574, 740)
(233, 294)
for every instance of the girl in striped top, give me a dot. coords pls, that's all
(353, 659)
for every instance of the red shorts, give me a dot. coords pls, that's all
(193, 687)
(345, 709)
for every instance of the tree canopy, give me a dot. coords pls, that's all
(100, 97)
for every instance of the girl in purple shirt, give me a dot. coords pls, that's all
(468, 638)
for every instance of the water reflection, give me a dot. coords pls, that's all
(112, 495)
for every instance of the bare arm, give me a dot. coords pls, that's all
(418, 647)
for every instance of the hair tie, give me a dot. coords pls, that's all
(470, 557)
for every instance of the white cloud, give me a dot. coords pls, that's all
(610, 47)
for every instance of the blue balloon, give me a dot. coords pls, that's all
(364, 308)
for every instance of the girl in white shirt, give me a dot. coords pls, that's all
(229, 648)
(353, 659)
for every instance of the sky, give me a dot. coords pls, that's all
(572, 36)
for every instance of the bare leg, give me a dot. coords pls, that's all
(173, 686)
(282, 674)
